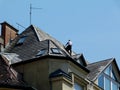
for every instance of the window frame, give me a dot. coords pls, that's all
(80, 81)
(77, 84)
(53, 51)
(109, 77)
(41, 52)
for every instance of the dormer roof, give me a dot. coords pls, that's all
(97, 68)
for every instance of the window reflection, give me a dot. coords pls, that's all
(21, 40)
(101, 81)
(107, 84)
(114, 86)
(107, 80)
(78, 86)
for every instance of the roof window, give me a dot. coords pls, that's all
(21, 40)
(56, 51)
(41, 52)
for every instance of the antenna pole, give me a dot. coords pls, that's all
(30, 12)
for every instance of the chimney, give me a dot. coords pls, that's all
(8, 33)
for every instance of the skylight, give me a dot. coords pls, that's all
(56, 51)
(21, 40)
(41, 52)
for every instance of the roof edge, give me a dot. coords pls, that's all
(36, 32)
(51, 56)
(10, 26)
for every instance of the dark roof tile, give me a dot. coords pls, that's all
(8, 76)
(35, 41)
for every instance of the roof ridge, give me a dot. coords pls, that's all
(36, 32)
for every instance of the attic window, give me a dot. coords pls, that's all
(21, 40)
(56, 51)
(41, 52)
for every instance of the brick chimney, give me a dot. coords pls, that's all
(8, 33)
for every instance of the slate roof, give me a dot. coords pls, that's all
(9, 77)
(36, 40)
(80, 59)
(97, 67)
(37, 44)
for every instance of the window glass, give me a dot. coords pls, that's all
(107, 71)
(114, 86)
(41, 52)
(107, 84)
(55, 50)
(101, 81)
(108, 80)
(78, 87)
(21, 40)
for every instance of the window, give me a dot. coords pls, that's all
(55, 50)
(78, 87)
(107, 80)
(101, 81)
(107, 84)
(109, 71)
(21, 40)
(41, 52)
(114, 86)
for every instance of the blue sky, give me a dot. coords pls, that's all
(92, 25)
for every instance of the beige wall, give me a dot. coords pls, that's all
(37, 73)
(66, 66)
(61, 83)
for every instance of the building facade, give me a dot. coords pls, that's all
(37, 61)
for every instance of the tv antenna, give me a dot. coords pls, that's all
(20, 25)
(31, 12)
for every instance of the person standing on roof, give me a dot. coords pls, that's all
(68, 47)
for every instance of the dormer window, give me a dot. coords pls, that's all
(107, 80)
(21, 40)
(109, 71)
(56, 51)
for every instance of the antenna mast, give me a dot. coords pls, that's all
(20, 25)
(31, 12)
